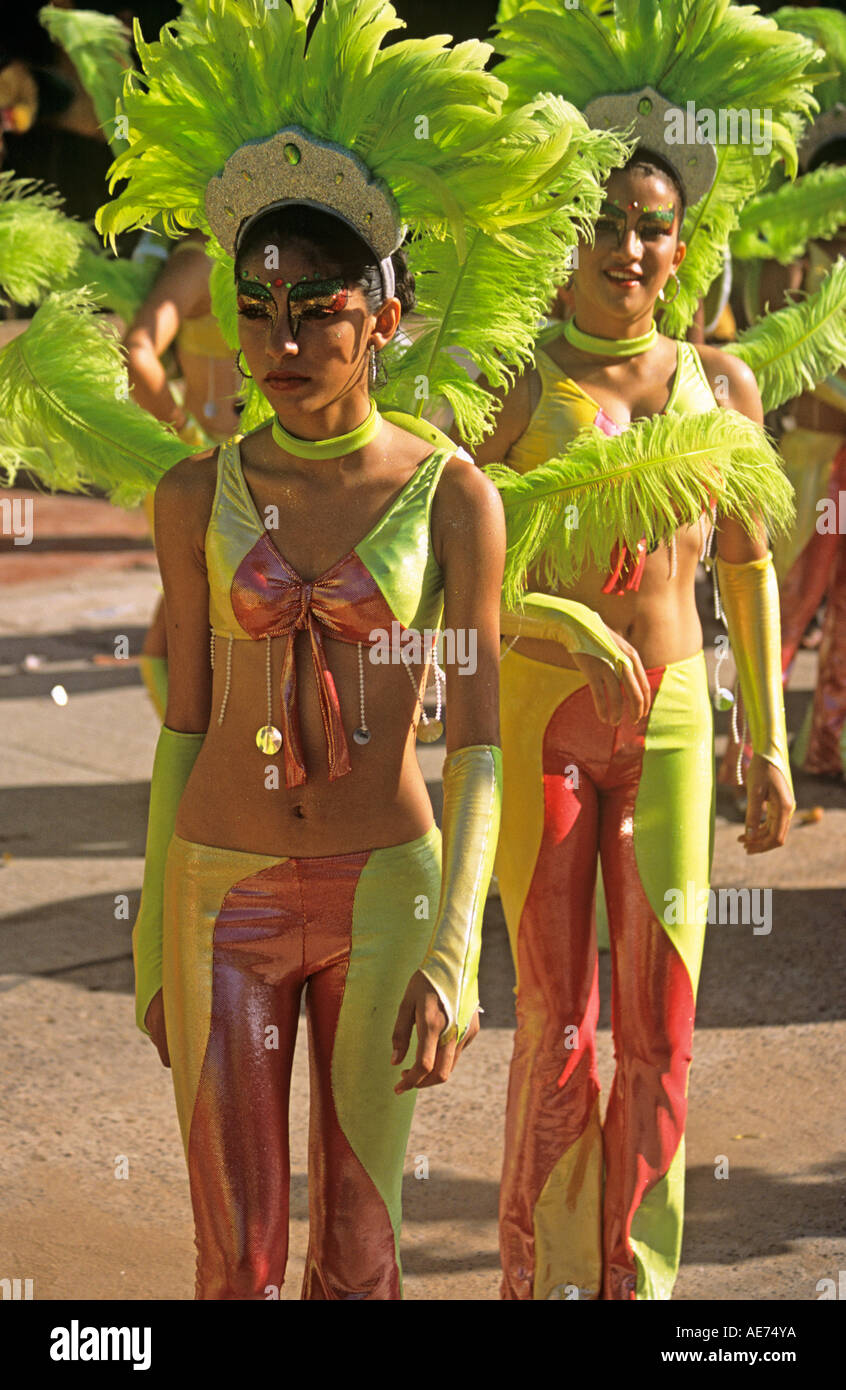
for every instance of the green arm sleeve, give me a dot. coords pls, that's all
(575, 626)
(472, 805)
(749, 597)
(175, 756)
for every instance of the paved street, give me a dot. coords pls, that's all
(94, 1197)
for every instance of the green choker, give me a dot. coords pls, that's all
(329, 448)
(610, 347)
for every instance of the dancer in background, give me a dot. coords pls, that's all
(177, 315)
(788, 242)
(606, 721)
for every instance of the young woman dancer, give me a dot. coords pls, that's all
(291, 845)
(177, 314)
(606, 722)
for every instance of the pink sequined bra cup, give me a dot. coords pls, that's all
(390, 576)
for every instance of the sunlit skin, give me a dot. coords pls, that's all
(613, 294)
(317, 383)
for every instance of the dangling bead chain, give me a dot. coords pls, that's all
(739, 737)
(673, 557)
(440, 681)
(439, 677)
(227, 685)
(361, 735)
(718, 608)
(269, 682)
(415, 685)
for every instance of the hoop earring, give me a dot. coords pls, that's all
(248, 376)
(661, 295)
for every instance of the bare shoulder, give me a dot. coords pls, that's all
(186, 491)
(725, 370)
(465, 498)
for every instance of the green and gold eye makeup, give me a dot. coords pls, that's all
(316, 298)
(612, 218)
(257, 297)
(652, 221)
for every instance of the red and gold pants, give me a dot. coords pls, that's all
(820, 571)
(244, 936)
(590, 1210)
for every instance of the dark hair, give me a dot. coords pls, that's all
(652, 163)
(328, 234)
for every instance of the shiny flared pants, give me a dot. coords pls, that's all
(589, 1210)
(820, 571)
(245, 936)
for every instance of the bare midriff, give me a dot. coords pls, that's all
(210, 379)
(659, 619)
(233, 799)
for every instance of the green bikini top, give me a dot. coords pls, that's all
(245, 569)
(391, 576)
(564, 408)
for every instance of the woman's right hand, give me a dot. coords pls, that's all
(609, 689)
(154, 1020)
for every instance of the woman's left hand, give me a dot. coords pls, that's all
(434, 1061)
(766, 790)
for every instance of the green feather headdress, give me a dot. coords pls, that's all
(827, 29)
(39, 245)
(658, 475)
(790, 351)
(425, 119)
(777, 225)
(718, 55)
(98, 46)
(65, 412)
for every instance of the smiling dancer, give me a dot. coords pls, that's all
(606, 723)
(291, 844)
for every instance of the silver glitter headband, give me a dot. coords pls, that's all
(295, 167)
(694, 162)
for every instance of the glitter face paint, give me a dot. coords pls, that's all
(312, 299)
(315, 299)
(651, 222)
